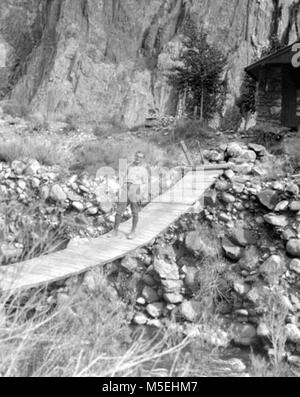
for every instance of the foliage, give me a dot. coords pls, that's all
(246, 101)
(199, 77)
(188, 128)
(232, 119)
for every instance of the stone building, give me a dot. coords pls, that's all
(278, 94)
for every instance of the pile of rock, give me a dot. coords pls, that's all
(86, 203)
(258, 224)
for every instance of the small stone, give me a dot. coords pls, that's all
(129, 263)
(273, 268)
(92, 211)
(62, 299)
(236, 365)
(282, 206)
(155, 310)
(140, 319)
(295, 206)
(231, 250)
(295, 266)
(244, 334)
(276, 220)
(33, 167)
(141, 301)
(293, 333)
(228, 198)
(269, 198)
(173, 298)
(241, 288)
(18, 167)
(150, 294)
(57, 193)
(78, 206)
(188, 312)
(234, 150)
(263, 330)
(293, 188)
(229, 174)
(293, 248)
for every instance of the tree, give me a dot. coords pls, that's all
(199, 78)
(247, 100)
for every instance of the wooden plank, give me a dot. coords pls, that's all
(154, 219)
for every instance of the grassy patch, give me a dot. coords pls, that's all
(48, 151)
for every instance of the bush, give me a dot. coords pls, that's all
(267, 134)
(188, 129)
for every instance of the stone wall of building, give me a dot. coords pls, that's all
(269, 97)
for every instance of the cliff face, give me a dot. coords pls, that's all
(105, 59)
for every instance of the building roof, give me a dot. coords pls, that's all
(281, 57)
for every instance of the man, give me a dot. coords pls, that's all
(132, 193)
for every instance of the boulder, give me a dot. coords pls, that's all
(293, 247)
(173, 298)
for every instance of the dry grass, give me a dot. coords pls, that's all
(48, 151)
(93, 155)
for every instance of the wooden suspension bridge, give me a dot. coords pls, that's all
(79, 258)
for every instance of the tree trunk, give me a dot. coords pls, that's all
(201, 103)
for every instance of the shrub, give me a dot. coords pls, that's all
(267, 134)
(187, 128)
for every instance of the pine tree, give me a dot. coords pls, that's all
(199, 78)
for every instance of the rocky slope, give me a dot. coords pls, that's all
(105, 60)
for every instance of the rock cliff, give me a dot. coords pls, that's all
(104, 60)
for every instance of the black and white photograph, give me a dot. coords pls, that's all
(149, 191)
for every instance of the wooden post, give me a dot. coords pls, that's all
(201, 154)
(187, 154)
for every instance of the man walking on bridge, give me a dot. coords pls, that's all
(131, 194)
